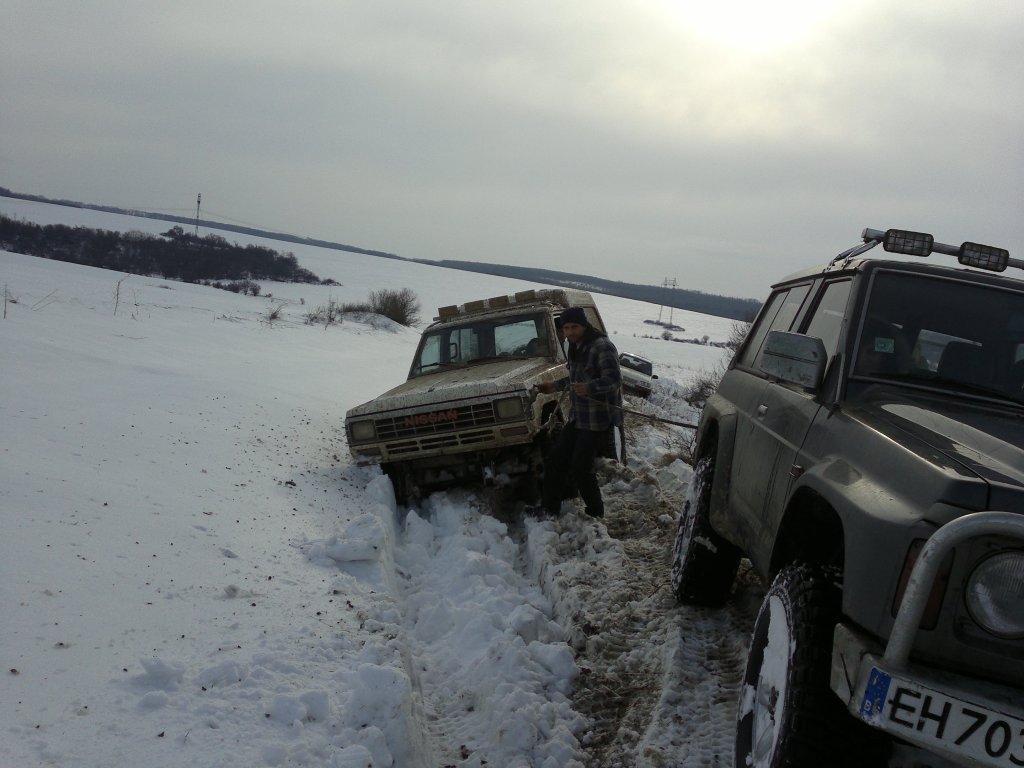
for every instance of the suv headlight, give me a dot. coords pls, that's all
(363, 430)
(509, 408)
(994, 592)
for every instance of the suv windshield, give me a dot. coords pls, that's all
(943, 332)
(519, 336)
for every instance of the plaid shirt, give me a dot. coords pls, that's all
(595, 362)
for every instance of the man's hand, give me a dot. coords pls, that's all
(545, 387)
(580, 388)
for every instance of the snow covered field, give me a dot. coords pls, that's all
(194, 573)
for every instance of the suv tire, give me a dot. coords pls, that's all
(788, 715)
(703, 563)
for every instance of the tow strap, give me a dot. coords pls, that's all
(656, 418)
(549, 424)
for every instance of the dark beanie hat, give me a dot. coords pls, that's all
(574, 315)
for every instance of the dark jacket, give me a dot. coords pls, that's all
(594, 361)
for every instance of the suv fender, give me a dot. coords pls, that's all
(842, 505)
(717, 431)
(811, 530)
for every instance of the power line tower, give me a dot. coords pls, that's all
(199, 199)
(667, 284)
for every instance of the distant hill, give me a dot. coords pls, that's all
(695, 301)
(680, 298)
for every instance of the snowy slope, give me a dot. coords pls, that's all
(195, 573)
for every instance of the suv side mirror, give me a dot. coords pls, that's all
(794, 358)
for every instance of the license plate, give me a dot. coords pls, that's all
(934, 719)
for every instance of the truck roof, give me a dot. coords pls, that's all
(560, 297)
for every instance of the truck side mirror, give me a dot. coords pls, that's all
(794, 358)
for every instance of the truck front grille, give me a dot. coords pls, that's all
(440, 425)
(442, 442)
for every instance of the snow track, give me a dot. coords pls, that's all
(494, 639)
(658, 681)
(491, 669)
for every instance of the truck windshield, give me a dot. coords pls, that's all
(518, 336)
(943, 332)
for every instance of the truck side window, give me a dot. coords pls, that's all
(827, 320)
(782, 308)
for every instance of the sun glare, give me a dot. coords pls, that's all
(753, 25)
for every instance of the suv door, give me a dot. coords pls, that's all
(743, 386)
(778, 422)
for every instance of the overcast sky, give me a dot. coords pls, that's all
(721, 143)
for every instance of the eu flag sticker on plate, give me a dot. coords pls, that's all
(874, 694)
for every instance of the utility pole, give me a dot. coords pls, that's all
(667, 284)
(199, 199)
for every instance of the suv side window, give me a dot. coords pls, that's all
(827, 320)
(781, 310)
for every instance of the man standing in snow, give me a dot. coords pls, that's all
(594, 384)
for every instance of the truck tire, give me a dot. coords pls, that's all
(703, 563)
(788, 715)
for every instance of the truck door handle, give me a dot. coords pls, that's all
(762, 409)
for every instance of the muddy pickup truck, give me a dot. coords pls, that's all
(865, 451)
(468, 411)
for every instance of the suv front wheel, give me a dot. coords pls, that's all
(703, 563)
(788, 714)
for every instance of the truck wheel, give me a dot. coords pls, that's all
(703, 563)
(788, 714)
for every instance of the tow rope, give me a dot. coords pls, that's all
(551, 417)
(656, 418)
(638, 413)
(551, 420)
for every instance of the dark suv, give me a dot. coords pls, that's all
(865, 450)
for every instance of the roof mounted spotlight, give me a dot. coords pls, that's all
(984, 257)
(907, 242)
(922, 244)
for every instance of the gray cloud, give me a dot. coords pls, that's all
(626, 140)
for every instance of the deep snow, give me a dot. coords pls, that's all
(194, 572)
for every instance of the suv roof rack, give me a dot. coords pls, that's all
(910, 243)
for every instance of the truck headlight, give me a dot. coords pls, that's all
(509, 408)
(993, 595)
(363, 430)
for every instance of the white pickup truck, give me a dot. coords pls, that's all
(468, 410)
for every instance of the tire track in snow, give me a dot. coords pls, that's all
(706, 652)
(659, 680)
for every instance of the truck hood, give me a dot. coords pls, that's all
(462, 383)
(986, 441)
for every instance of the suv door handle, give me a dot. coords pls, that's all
(762, 409)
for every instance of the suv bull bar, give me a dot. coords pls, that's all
(853, 653)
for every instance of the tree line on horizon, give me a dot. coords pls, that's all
(175, 254)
